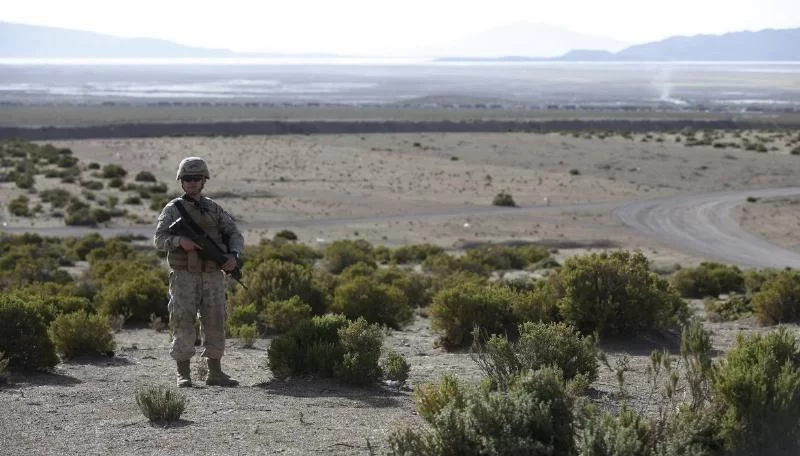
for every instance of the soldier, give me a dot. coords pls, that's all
(195, 283)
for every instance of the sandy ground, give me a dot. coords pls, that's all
(372, 187)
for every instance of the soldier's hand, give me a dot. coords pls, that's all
(189, 245)
(231, 264)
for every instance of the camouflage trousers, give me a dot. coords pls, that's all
(191, 293)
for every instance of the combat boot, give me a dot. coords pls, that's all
(184, 376)
(215, 375)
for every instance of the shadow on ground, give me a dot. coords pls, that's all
(374, 396)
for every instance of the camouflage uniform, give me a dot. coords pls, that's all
(196, 284)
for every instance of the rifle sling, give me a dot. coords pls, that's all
(194, 226)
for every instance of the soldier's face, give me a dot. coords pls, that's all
(193, 185)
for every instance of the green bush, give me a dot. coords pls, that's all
(417, 288)
(414, 253)
(144, 176)
(19, 206)
(161, 404)
(733, 308)
(757, 387)
(539, 345)
(375, 302)
(616, 293)
(287, 252)
(626, 434)
(537, 304)
(708, 279)
(286, 234)
(135, 293)
(57, 197)
(343, 253)
(111, 171)
(52, 299)
(504, 199)
(133, 200)
(357, 270)
(533, 417)
(242, 315)
(246, 335)
(361, 342)
(274, 280)
(92, 185)
(778, 301)
(116, 182)
(395, 367)
(79, 333)
(311, 347)
(754, 279)
(456, 311)
(283, 315)
(23, 335)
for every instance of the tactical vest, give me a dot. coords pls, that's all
(195, 261)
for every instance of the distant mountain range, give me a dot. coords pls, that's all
(516, 42)
(764, 45)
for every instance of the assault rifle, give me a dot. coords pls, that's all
(210, 249)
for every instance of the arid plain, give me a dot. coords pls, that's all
(390, 189)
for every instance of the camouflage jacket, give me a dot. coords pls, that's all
(167, 242)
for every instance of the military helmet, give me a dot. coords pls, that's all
(192, 166)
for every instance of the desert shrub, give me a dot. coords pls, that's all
(495, 257)
(283, 315)
(504, 199)
(79, 333)
(57, 197)
(533, 417)
(92, 185)
(132, 290)
(616, 293)
(624, 434)
(757, 386)
(144, 176)
(456, 311)
(539, 345)
(274, 280)
(359, 269)
(733, 308)
(283, 251)
(25, 180)
(416, 253)
(754, 279)
(328, 346)
(375, 302)
(286, 234)
(116, 182)
(19, 206)
(441, 264)
(111, 171)
(133, 200)
(778, 301)
(708, 279)
(112, 250)
(343, 253)
(311, 347)
(245, 334)
(23, 335)
(417, 288)
(395, 367)
(241, 315)
(537, 304)
(52, 299)
(161, 404)
(82, 246)
(361, 342)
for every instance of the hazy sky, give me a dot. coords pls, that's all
(378, 27)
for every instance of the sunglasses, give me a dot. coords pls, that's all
(192, 179)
